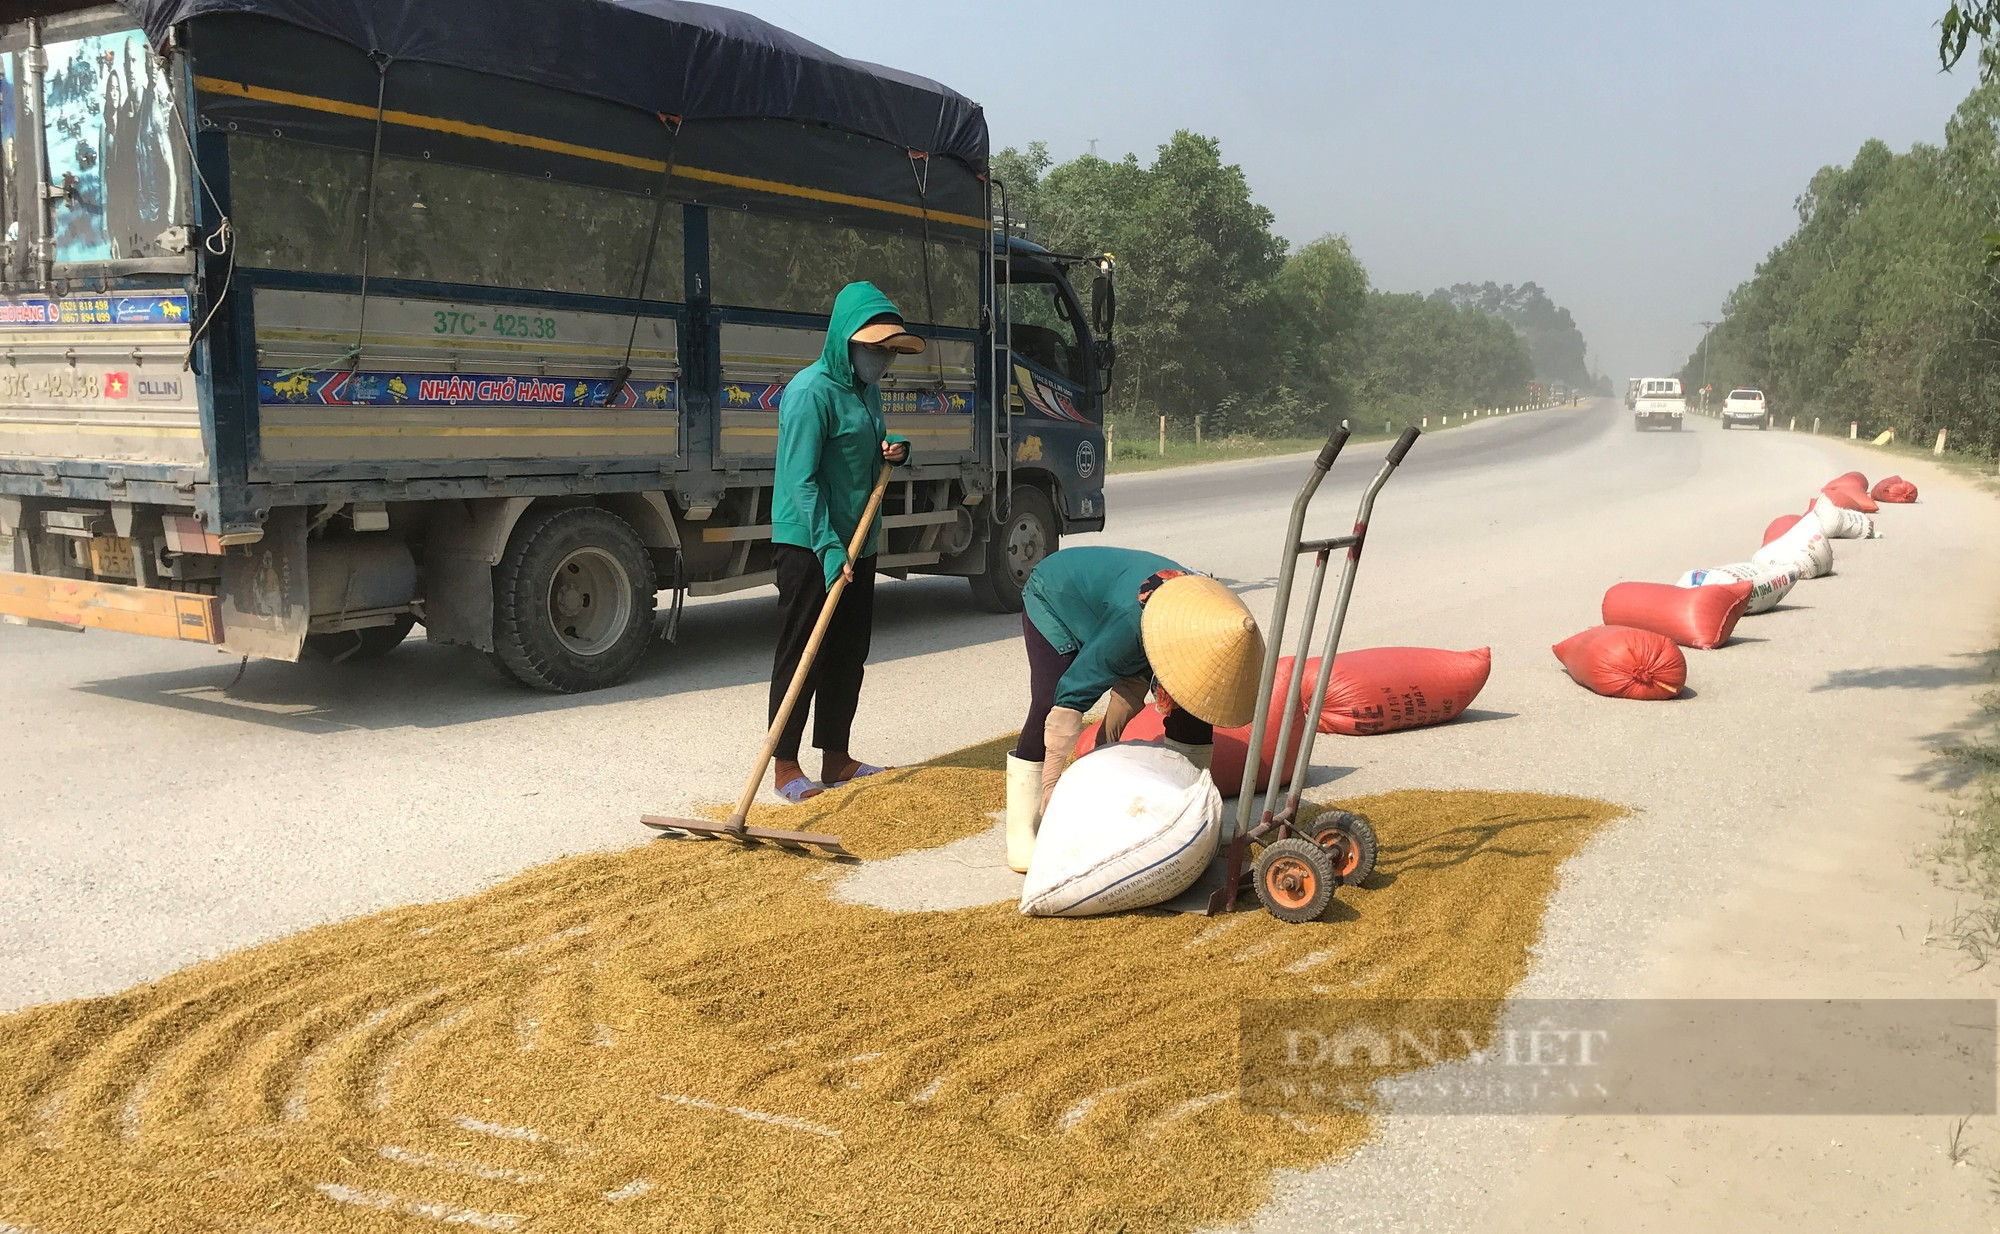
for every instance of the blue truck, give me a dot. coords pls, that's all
(320, 322)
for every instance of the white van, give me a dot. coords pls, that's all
(1660, 401)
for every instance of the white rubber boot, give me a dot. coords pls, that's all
(1203, 757)
(1024, 811)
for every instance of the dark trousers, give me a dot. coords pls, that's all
(1046, 666)
(833, 685)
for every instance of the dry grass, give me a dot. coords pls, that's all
(691, 1036)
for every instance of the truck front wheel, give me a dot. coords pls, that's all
(1016, 547)
(572, 601)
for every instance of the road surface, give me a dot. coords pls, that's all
(153, 813)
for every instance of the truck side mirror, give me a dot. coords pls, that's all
(1103, 306)
(1107, 357)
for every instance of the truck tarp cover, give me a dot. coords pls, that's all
(695, 61)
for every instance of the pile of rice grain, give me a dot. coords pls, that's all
(692, 1036)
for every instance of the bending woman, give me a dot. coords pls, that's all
(1124, 621)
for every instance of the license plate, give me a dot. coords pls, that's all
(111, 555)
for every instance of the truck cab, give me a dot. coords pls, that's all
(1059, 357)
(1660, 403)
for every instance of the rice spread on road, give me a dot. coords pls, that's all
(692, 1036)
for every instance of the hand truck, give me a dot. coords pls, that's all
(1297, 866)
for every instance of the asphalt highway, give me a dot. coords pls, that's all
(156, 810)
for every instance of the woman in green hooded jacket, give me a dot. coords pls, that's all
(832, 441)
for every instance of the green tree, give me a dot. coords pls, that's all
(1555, 344)
(1874, 309)
(1960, 25)
(1216, 321)
(1320, 295)
(1020, 173)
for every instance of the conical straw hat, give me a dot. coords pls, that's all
(1205, 648)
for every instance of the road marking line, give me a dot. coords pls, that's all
(1312, 960)
(930, 1090)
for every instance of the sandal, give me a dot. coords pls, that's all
(799, 789)
(861, 769)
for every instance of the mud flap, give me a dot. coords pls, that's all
(266, 607)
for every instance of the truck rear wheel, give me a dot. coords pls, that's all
(350, 646)
(572, 601)
(1013, 551)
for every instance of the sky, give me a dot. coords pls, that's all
(1637, 161)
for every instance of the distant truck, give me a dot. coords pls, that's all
(1632, 392)
(314, 331)
(1660, 401)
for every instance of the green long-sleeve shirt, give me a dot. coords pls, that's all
(1086, 600)
(830, 435)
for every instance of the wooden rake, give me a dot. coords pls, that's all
(737, 826)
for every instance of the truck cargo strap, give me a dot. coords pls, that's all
(112, 606)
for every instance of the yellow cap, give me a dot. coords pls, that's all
(1205, 648)
(888, 332)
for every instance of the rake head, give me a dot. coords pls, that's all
(812, 843)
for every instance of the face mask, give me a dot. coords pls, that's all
(869, 364)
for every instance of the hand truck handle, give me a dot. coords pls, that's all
(1403, 444)
(1335, 442)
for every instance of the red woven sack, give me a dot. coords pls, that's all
(1691, 616)
(1384, 689)
(1849, 497)
(1854, 478)
(1895, 490)
(1780, 525)
(1226, 768)
(1620, 662)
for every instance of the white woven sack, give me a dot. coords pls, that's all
(1805, 546)
(1129, 825)
(1843, 524)
(1769, 584)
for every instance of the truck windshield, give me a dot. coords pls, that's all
(1044, 334)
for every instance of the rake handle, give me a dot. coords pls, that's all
(741, 816)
